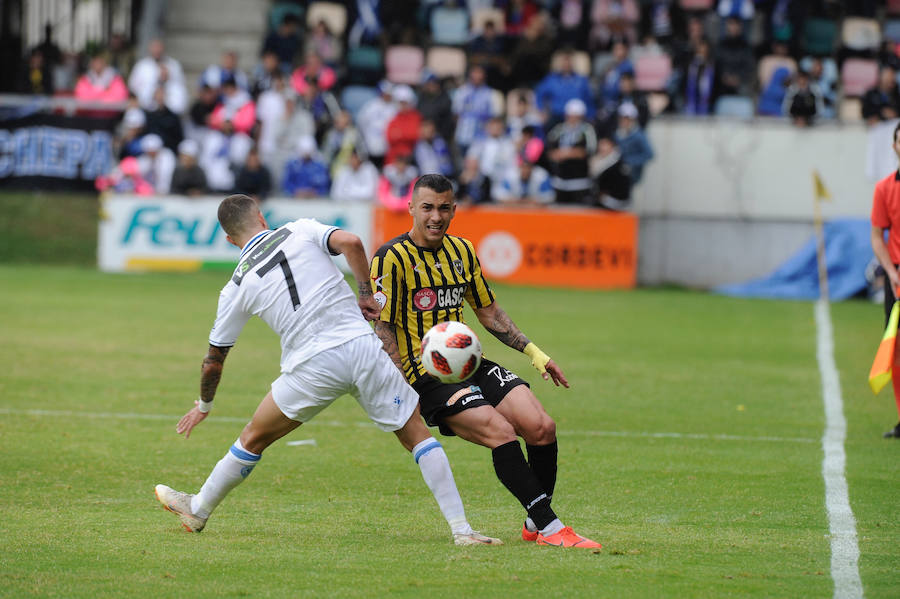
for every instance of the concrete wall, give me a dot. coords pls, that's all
(725, 201)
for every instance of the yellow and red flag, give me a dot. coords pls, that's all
(880, 374)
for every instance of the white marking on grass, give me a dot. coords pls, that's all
(366, 424)
(841, 523)
(697, 436)
(142, 416)
(301, 442)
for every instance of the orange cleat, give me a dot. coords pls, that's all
(567, 538)
(529, 536)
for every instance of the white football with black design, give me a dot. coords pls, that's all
(451, 352)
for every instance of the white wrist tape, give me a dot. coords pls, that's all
(204, 406)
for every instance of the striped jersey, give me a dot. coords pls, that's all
(419, 287)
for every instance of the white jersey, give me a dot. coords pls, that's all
(287, 278)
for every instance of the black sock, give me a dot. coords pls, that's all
(514, 473)
(542, 460)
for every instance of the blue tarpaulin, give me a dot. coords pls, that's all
(848, 250)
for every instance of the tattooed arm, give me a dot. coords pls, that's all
(387, 332)
(210, 374)
(500, 325)
(497, 321)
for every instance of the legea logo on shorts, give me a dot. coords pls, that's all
(473, 391)
(500, 254)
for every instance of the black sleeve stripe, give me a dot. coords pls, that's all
(393, 311)
(327, 237)
(473, 283)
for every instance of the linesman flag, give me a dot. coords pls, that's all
(880, 374)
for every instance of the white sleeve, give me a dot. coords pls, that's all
(230, 318)
(314, 231)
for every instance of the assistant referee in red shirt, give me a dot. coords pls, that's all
(886, 217)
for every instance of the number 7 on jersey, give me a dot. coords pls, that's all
(279, 259)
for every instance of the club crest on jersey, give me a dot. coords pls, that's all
(458, 266)
(380, 299)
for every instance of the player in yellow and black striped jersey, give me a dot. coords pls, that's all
(423, 277)
(422, 286)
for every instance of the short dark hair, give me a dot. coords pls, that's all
(435, 182)
(236, 213)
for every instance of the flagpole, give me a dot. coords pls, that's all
(820, 194)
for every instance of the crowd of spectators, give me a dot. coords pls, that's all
(549, 104)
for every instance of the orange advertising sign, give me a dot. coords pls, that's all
(574, 247)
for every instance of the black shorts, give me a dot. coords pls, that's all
(487, 387)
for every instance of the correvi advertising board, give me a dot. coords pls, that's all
(138, 233)
(558, 247)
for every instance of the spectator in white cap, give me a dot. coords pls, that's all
(373, 119)
(307, 175)
(403, 130)
(157, 163)
(132, 129)
(188, 178)
(633, 143)
(569, 144)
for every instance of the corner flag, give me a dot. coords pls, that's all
(880, 374)
(822, 192)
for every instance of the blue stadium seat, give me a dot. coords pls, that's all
(739, 107)
(365, 65)
(282, 9)
(819, 36)
(354, 96)
(449, 26)
(892, 30)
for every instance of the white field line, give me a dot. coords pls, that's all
(336, 423)
(841, 523)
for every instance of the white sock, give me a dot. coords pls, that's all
(435, 467)
(530, 525)
(552, 528)
(228, 473)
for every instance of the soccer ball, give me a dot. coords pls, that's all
(451, 352)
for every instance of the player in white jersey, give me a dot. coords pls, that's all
(287, 278)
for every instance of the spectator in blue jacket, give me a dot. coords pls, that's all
(558, 88)
(307, 175)
(473, 105)
(610, 86)
(633, 143)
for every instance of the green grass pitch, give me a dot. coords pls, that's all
(689, 446)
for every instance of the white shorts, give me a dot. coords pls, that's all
(359, 368)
